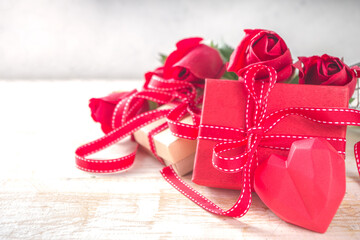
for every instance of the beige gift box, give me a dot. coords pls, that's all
(175, 151)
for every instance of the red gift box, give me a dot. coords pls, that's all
(244, 123)
(225, 104)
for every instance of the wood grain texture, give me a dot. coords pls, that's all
(43, 195)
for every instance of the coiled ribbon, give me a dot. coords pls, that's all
(126, 121)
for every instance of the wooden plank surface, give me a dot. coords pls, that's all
(43, 195)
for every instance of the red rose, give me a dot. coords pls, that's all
(325, 70)
(191, 61)
(265, 47)
(102, 108)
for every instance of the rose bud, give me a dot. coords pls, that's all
(326, 70)
(102, 108)
(193, 62)
(264, 47)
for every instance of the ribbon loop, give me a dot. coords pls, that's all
(129, 116)
(255, 126)
(226, 163)
(181, 89)
(249, 80)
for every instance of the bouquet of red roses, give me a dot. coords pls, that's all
(276, 131)
(279, 130)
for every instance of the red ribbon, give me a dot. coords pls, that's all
(258, 123)
(126, 121)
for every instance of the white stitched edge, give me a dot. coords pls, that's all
(273, 136)
(232, 158)
(303, 137)
(312, 119)
(113, 117)
(216, 139)
(151, 141)
(103, 171)
(130, 111)
(357, 156)
(183, 136)
(246, 183)
(193, 190)
(105, 161)
(223, 128)
(182, 124)
(126, 108)
(118, 139)
(133, 107)
(185, 84)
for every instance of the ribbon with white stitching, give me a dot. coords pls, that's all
(126, 120)
(250, 139)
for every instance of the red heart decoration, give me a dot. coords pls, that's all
(305, 189)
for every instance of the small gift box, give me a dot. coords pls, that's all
(175, 151)
(228, 108)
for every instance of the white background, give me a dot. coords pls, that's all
(54, 39)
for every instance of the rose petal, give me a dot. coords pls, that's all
(101, 112)
(170, 61)
(183, 47)
(203, 62)
(312, 76)
(237, 58)
(266, 48)
(340, 78)
(187, 44)
(332, 68)
(275, 46)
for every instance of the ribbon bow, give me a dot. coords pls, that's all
(247, 161)
(254, 124)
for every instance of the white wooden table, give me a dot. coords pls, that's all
(43, 195)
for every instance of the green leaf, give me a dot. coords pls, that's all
(224, 49)
(294, 79)
(351, 100)
(225, 52)
(230, 76)
(152, 105)
(162, 58)
(213, 45)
